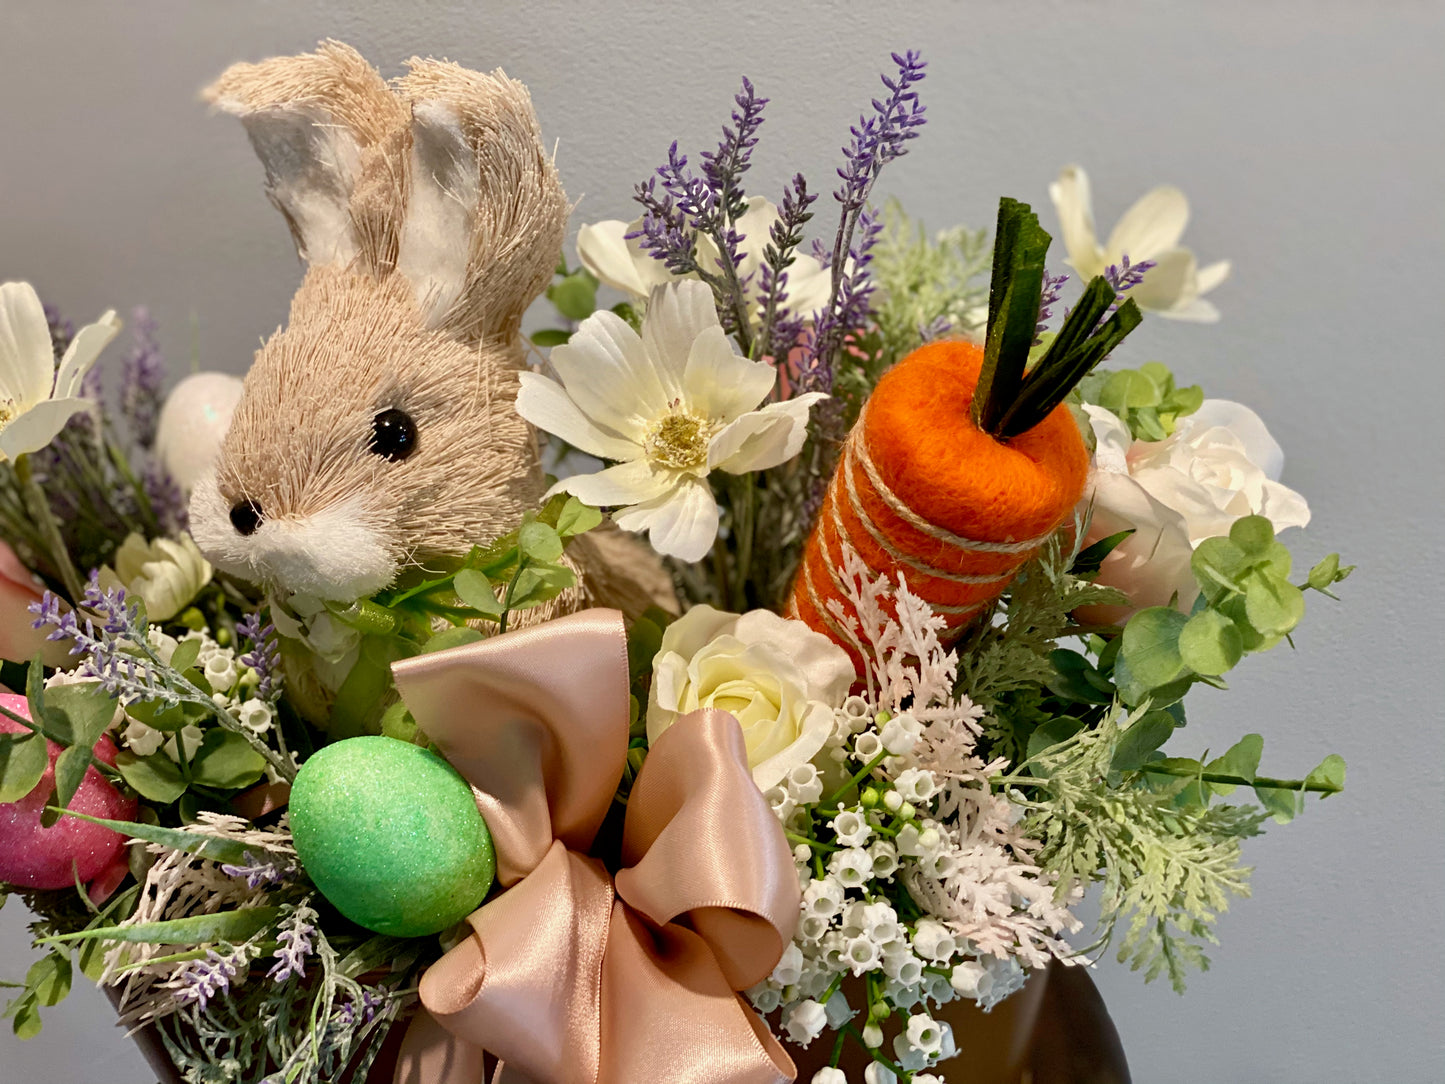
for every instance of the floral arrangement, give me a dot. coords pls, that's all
(394, 773)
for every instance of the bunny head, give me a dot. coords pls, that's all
(377, 429)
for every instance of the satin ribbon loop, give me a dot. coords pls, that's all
(568, 977)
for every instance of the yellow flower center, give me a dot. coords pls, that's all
(8, 413)
(678, 440)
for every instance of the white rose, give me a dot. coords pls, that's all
(1219, 465)
(779, 678)
(166, 573)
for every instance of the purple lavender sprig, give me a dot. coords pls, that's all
(264, 656)
(1052, 291)
(202, 980)
(166, 499)
(143, 374)
(108, 646)
(878, 139)
(372, 999)
(779, 254)
(256, 872)
(724, 167)
(294, 944)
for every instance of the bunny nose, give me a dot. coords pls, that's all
(246, 516)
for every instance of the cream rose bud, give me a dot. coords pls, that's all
(1218, 465)
(779, 678)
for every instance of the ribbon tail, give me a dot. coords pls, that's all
(669, 1013)
(430, 1054)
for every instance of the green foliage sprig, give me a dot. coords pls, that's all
(1145, 399)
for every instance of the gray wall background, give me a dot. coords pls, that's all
(1308, 139)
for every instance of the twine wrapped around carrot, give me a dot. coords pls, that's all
(964, 461)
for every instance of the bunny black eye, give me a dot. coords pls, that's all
(393, 435)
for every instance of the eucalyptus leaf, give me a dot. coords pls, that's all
(397, 722)
(1252, 534)
(231, 926)
(156, 778)
(1151, 646)
(1274, 605)
(23, 760)
(1143, 738)
(227, 761)
(1209, 643)
(1218, 565)
(536, 585)
(1241, 759)
(1329, 772)
(1281, 804)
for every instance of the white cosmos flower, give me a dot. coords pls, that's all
(35, 400)
(670, 406)
(624, 265)
(1149, 230)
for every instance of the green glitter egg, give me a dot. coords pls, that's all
(391, 835)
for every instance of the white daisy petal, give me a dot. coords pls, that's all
(1213, 275)
(808, 287)
(608, 374)
(682, 524)
(27, 359)
(546, 404)
(603, 249)
(1151, 227)
(89, 341)
(721, 383)
(1169, 284)
(37, 427)
(634, 482)
(1197, 311)
(676, 315)
(1074, 205)
(763, 438)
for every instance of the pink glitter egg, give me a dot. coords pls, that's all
(32, 856)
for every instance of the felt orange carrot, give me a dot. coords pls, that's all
(964, 460)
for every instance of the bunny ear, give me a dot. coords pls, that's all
(318, 122)
(485, 211)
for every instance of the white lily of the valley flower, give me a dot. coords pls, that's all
(670, 405)
(624, 265)
(1149, 230)
(35, 400)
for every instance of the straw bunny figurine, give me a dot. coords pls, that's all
(377, 430)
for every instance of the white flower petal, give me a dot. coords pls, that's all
(1169, 284)
(27, 358)
(603, 249)
(607, 372)
(1197, 311)
(754, 224)
(37, 427)
(682, 524)
(809, 286)
(1283, 507)
(763, 438)
(1151, 227)
(1253, 435)
(1112, 439)
(1074, 205)
(721, 383)
(817, 729)
(89, 341)
(544, 403)
(1211, 276)
(676, 315)
(633, 482)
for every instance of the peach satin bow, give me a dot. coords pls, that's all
(571, 976)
